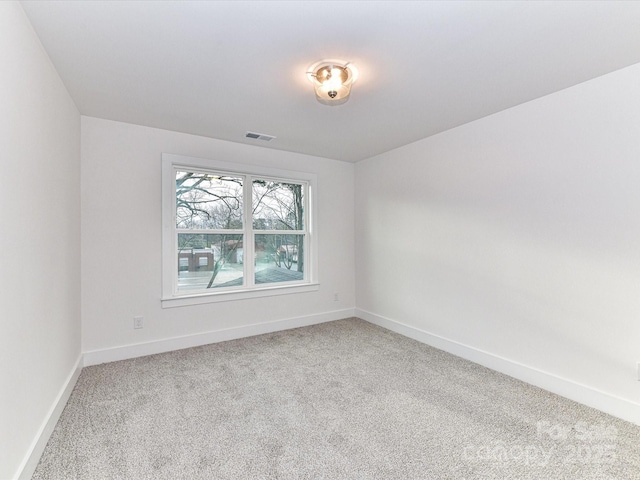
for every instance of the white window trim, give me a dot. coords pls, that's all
(169, 298)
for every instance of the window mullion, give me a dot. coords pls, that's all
(210, 231)
(282, 232)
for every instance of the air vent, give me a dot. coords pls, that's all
(259, 136)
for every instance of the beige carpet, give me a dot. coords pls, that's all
(341, 400)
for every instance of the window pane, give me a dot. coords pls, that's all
(278, 205)
(206, 200)
(209, 261)
(279, 258)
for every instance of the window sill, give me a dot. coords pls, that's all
(214, 297)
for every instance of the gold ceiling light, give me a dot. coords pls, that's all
(332, 81)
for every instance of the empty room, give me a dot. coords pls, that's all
(320, 240)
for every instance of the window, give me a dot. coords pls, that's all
(234, 231)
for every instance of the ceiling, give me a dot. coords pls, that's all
(222, 68)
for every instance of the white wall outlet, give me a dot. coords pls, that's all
(336, 297)
(638, 371)
(138, 322)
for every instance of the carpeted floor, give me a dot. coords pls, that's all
(340, 400)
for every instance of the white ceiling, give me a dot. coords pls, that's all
(220, 68)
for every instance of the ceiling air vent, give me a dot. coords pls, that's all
(259, 136)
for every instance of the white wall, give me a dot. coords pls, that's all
(515, 240)
(121, 242)
(40, 239)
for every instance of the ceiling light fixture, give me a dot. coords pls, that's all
(332, 81)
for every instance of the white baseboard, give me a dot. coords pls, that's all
(30, 462)
(124, 352)
(589, 396)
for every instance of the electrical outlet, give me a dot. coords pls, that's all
(138, 322)
(335, 297)
(638, 371)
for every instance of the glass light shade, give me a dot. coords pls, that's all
(332, 82)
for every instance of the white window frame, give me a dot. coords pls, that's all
(170, 296)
